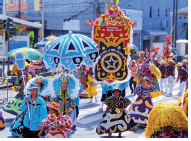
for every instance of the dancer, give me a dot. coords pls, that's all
(140, 109)
(2, 121)
(182, 76)
(156, 62)
(133, 67)
(55, 123)
(35, 108)
(163, 78)
(115, 118)
(170, 75)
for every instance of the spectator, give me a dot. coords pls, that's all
(133, 67)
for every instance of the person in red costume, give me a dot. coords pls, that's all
(55, 123)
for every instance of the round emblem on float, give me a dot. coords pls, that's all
(111, 62)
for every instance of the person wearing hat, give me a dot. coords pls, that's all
(186, 57)
(185, 64)
(55, 123)
(155, 61)
(141, 58)
(171, 56)
(170, 75)
(140, 109)
(133, 67)
(115, 112)
(35, 108)
(162, 67)
(183, 77)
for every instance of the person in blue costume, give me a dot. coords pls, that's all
(14, 105)
(107, 91)
(35, 108)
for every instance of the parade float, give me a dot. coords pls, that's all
(167, 120)
(113, 33)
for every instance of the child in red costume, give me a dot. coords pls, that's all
(55, 123)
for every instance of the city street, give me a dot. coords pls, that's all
(89, 116)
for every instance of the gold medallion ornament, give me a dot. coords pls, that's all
(111, 63)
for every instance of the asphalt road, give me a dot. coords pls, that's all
(89, 117)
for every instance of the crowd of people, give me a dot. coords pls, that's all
(40, 118)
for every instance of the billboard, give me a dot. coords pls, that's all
(135, 16)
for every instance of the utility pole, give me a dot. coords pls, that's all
(174, 21)
(42, 23)
(4, 17)
(19, 13)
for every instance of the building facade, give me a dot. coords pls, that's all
(1, 6)
(17, 8)
(153, 17)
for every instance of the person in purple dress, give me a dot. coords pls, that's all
(140, 109)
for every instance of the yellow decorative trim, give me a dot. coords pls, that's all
(112, 131)
(111, 54)
(148, 105)
(98, 68)
(124, 63)
(138, 102)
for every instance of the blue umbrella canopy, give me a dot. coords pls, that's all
(70, 51)
(44, 41)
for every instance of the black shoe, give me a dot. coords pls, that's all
(74, 128)
(131, 92)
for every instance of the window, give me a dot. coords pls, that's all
(25, 2)
(166, 12)
(17, 2)
(166, 23)
(158, 12)
(150, 12)
(11, 2)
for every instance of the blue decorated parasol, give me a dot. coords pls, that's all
(45, 41)
(70, 51)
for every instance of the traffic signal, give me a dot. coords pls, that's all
(9, 23)
(3, 24)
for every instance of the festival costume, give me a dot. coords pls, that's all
(170, 70)
(114, 121)
(167, 120)
(14, 105)
(2, 121)
(163, 79)
(140, 109)
(184, 73)
(62, 120)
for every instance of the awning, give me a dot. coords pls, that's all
(182, 12)
(15, 20)
(154, 33)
